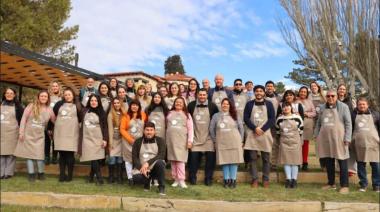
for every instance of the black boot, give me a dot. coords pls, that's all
(62, 168)
(233, 184)
(304, 166)
(99, 178)
(31, 178)
(111, 169)
(293, 183)
(287, 183)
(119, 174)
(226, 183)
(47, 160)
(70, 169)
(54, 159)
(91, 176)
(131, 183)
(41, 176)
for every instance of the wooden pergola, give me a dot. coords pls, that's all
(25, 68)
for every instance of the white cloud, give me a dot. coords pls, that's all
(215, 51)
(125, 34)
(272, 45)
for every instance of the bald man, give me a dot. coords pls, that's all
(217, 94)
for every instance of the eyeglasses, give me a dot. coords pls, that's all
(330, 96)
(238, 84)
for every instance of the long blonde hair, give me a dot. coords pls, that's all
(51, 85)
(115, 117)
(145, 97)
(36, 106)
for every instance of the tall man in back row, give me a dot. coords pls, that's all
(217, 94)
(259, 116)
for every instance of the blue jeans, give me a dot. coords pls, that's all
(362, 174)
(230, 171)
(115, 159)
(40, 166)
(291, 172)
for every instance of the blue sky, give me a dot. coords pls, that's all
(239, 39)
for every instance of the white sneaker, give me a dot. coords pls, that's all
(182, 184)
(155, 183)
(175, 184)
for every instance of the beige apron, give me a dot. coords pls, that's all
(366, 139)
(217, 98)
(33, 145)
(92, 139)
(9, 130)
(136, 127)
(274, 100)
(105, 103)
(330, 138)
(147, 152)
(176, 137)
(66, 128)
(157, 117)
(308, 123)
(240, 102)
(116, 138)
(54, 100)
(264, 142)
(228, 143)
(317, 101)
(202, 139)
(170, 101)
(290, 143)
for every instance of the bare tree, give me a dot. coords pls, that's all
(341, 37)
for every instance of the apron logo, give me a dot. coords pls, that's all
(133, 129)
(145, 155)
(237, 104)
(2, 117)
(326, 120)
(222, 125)
(64, 112)
(198, 117)
(154, 122)
(217, 100)
(174, 122)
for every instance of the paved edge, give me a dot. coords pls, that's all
(49, 199)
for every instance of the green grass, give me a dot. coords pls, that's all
(276, 192)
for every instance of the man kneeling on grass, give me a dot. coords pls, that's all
(148, 158)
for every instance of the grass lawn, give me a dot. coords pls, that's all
(276, 192)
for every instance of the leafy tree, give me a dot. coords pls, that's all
(173, 65)
(280, 87)
(304, 74)
(39, 26)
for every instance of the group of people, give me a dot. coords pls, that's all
(139, 132)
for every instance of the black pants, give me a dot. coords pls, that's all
(265, 157)
(194, 162)
(157, 172)
(66, 159)
(95, 169)
(49, 143)
(343, 174)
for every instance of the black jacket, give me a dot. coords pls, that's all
(212, 108)
(136, 151)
